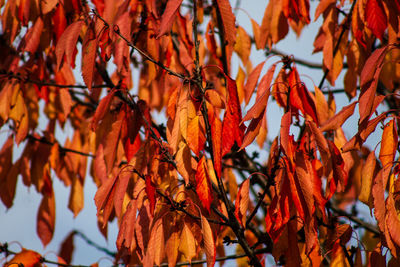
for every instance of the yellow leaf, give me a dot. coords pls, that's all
(188, 243)
(76, 199)
(367, 175)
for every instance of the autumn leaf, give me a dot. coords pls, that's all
(203, 184)
(187, 244)
(208, 242)
(228, 21)
(231, 129)
(67, 43)
(389, 144)
(46, 218)
(369, 80)
(32, 37)
(151, 193)
(196, 137)
(67, 248)
(375, 17)
(89, 49)
(337, 121)
(252, 81)
(368, 172)
(242, 202)
(168, 17)
(216, 134)
(27, 258)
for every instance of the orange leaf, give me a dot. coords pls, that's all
(184, 162)
(46, 218)
(203, 184)
(362, 135)
(228, 20)
(215, 99)
(196, 137)
(337, 121)
(151, 193)
(378, 196)
(32, 37)
(208, 242)
(168, 16)
(104, 198)
(89, 49)
(389, 144)
(392, 220)
(28, 258)
(187, 243)
(67, 43)
(242, 202)
(252, 130)
(252, 81)
(155, 246)
(376, 18)
(76, 199)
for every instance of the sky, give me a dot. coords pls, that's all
(19, 222)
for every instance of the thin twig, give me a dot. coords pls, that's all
(41, 83)
(303, 62)
(93, 244)
(63, 149)
(365, 225)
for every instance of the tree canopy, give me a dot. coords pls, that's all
(175, 154)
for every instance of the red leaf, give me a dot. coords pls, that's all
(89, 48)
(242, 202)
(252, 131)
(363, 133)
(67, 43)
(231, 131)
(216, 134)
(252, 81)
(228, 20)
(284, 133)
(168, 16)
(101, 109)
(337, 121)
(151, 193)
(375, 17)
(67, 248)
(339, 173)
(203, 184)
(32, 37)
(127, 227)
(369, 80)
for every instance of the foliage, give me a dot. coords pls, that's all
(175, 188)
